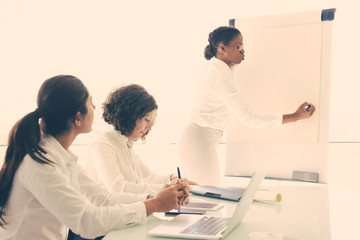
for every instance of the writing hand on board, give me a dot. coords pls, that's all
(305, 110)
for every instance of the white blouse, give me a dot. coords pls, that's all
(119, 168)
(47, 199)
(219, 95)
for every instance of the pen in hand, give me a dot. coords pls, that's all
(178, 171)
(179, 176)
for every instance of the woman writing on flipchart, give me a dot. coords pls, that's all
(217, 98)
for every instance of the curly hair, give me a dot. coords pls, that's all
(125, 105)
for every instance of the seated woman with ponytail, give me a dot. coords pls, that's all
(43, 192)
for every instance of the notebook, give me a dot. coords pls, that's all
(233, 194)
(209, 226)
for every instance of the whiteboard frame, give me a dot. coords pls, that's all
(243, 158)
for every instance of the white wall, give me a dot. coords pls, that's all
(158, 44)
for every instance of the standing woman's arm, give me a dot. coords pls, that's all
(305, 110)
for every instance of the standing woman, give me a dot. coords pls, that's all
(43, 192)
(217, 98)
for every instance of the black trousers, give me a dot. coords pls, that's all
(73, 236)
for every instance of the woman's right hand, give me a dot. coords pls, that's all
(169, 197)
(305, 110)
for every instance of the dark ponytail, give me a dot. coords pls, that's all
(24, 138)
(219, 35)
(59, 99)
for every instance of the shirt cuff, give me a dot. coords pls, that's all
(143, 197)
(279, 121)
(140, 213)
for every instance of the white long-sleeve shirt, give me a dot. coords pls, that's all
(219, 96)
(47, 199)
(120, 168)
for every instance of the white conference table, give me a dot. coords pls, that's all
(303, 213)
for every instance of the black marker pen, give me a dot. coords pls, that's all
(178, 170)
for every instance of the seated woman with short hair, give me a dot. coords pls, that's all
(132, 111)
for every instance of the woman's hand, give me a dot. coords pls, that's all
(186, 189)
(305, 110)
(188, 181)
(173, 178)
(171, 196)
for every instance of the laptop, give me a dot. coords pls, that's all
(210, 226)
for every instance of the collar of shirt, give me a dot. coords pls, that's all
(122, 139)
(221, 64)
(67, 156)
(66, 160)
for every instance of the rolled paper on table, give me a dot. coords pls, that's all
(268, 196)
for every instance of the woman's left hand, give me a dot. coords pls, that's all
(184, 180)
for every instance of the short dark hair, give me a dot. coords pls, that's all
(219, 35)
(125, 105)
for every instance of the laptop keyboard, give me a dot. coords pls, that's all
(207, 226)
